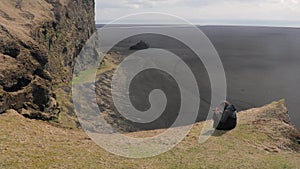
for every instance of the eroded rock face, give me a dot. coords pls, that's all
(38, 43)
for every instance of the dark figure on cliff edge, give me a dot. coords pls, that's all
(226, 119)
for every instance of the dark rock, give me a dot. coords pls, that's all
(18, 85)
(43, 74)
(140, 46)
(41, 97)
(40, 57)
(9, 47)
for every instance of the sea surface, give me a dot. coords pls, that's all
(262, 64)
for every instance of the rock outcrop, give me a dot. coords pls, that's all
(38, 43)
(141, 45)
(273, 121)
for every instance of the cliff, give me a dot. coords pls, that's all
(38, 43)
(263, 138)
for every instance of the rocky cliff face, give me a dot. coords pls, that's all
(38, 43)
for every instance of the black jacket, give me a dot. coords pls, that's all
(229, 112)
(228, 119)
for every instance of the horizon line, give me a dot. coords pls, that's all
(216, 22)
(202, 25)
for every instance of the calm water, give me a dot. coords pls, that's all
(262, 64)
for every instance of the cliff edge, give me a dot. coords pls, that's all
(263, 138)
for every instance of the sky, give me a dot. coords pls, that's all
(204, 12)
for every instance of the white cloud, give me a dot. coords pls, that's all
(200, 11)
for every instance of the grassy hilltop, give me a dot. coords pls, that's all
(262, 139)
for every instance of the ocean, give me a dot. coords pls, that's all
(262, 64)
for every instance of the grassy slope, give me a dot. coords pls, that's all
(67, 117)
(28, 143)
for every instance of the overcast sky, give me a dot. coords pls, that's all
(207, 12)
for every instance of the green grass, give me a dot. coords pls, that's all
(67, 118)
(88, 75)
(85, 76)
(247, 132)
(28, 143)
(277, 161)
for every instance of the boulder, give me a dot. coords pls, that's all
(141, 45)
